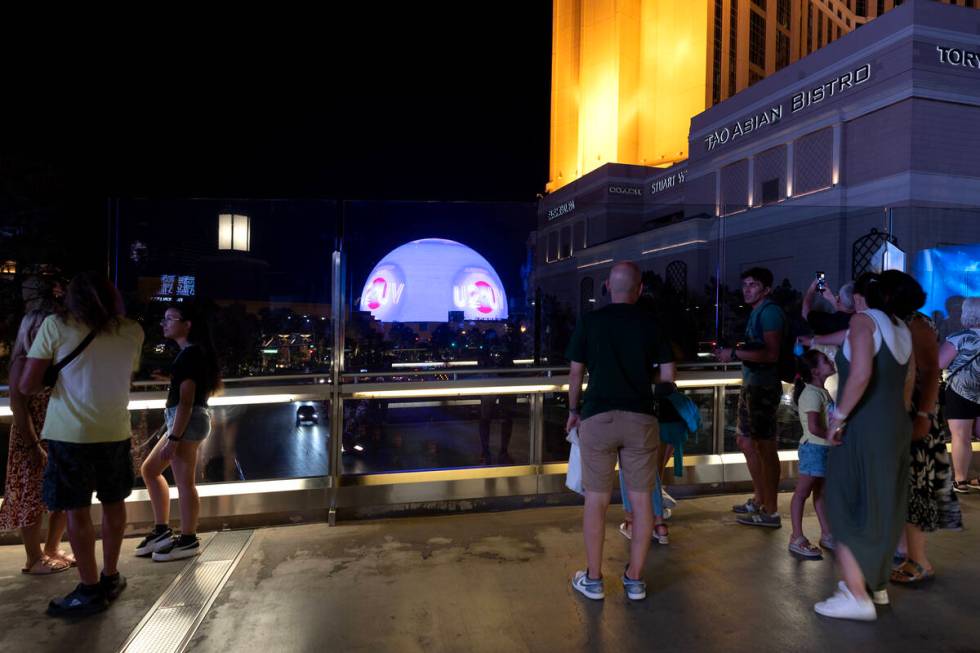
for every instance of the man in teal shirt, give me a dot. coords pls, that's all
(759, 397)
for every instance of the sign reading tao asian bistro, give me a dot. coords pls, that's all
(798, 102)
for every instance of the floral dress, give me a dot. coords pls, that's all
(932, 503)
(22, 505)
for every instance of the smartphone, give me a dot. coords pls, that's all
(821, 281)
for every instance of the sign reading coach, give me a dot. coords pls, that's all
(799, 101)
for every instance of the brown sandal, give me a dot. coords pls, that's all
(46, 567)
(911, 573)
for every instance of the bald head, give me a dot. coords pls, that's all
(624, 282)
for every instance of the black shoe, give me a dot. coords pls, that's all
(79, 603)
(112, 586)
(153, 542)
(177, 550)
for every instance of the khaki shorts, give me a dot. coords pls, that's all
(631, 437)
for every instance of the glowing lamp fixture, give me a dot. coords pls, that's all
(234, 232)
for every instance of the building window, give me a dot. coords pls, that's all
(578, 236)
(565, 249)
(782, 50)
(782, 12)
(770, 191)
(757, 40)
(716, 57)
(880, 7)
(861, 8)
(970, 3)
(809, 28)
(813, 156)
(761, 4)
(754, 76)
(732, 46)
(820, 20)
(234, 232)
(552, 252)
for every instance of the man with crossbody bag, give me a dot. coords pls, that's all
(87, 429)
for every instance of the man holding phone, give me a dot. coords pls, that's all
(824, 321)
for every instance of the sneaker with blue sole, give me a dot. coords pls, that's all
(589, 587)
(636, 590)
(80, 602)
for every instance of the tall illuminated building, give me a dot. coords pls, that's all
(628, 75)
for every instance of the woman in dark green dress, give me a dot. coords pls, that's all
(868, 469)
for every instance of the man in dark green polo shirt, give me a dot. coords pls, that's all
(623, 347)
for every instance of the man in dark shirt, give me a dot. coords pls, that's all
(621, 345)
(825, 322)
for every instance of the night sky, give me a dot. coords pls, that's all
(419, 101)
(423, 101)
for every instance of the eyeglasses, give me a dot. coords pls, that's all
(172, 319)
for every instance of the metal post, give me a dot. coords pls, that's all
(336, 380)
(535, 404)
(719, 420)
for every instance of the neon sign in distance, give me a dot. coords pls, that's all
(422, 281)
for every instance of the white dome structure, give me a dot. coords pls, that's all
(422, 281)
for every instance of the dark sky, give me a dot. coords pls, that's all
(423, 101)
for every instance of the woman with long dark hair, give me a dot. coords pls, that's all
(867, 483)
(194, 378)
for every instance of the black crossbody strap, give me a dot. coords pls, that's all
(60, 365)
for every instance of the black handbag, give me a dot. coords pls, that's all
(51, 374)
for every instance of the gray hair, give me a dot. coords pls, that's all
(846, 296)
(970, 318)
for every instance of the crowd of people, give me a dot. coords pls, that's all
(867, 388)
(868, 393)
(70, 376)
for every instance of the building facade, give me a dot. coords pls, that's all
(877, 130)
(627, 75)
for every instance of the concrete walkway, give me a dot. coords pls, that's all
(499, 582)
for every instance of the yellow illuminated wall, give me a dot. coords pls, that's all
(627, 76)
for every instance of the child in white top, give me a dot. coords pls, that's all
(814, 405)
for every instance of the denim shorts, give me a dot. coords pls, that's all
(198, 428)
(813, 459)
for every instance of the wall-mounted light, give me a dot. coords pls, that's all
(234, 232)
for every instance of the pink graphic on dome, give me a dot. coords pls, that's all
(377, 293)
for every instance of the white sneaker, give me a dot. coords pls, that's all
(844, 605)
(669, 501)
(880, 597)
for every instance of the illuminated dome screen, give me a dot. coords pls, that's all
(422, 281)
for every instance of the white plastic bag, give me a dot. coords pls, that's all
(573, 480)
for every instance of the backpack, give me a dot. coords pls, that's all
(786, 364)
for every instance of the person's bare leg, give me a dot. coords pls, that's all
(113, 529)
(916, 539)
(752, 461)
(804, 485)
(81, 534)
(642, 529)
(31, 537)
(594, 529)
(184, 467)
(769, 472)
(156, 485)
(820, 508)
(851, 572)
(961, 431)
(57, 523)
